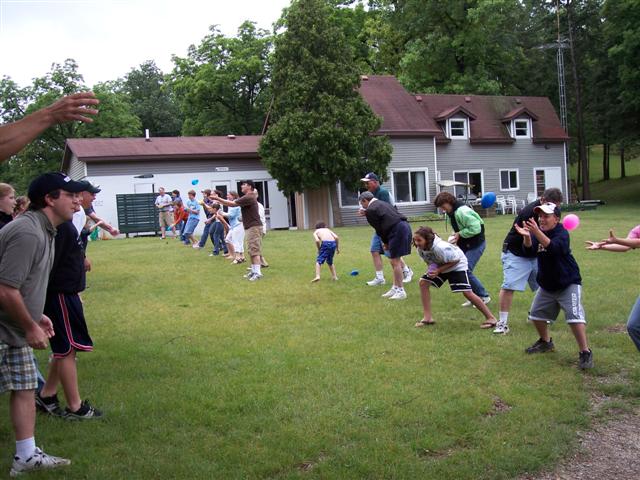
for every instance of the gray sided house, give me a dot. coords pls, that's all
(512, 146)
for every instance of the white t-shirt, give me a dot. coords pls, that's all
(443, 252)
(79, 220)
(164, 202)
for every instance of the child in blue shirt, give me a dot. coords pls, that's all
(559, 280)
(327, 244)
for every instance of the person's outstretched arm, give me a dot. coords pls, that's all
(625, 242)
(15, 136)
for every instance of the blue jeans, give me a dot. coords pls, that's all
(189, 228)
(633, 325)
(473, 257)
(205, 234)
(180, 228)
(217, 238)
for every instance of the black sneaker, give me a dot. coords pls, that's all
(541, 346)
(586, 360)
(49, 405)
(85, 412)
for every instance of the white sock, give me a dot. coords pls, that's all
(406, 269)
(257, 269)
(380, 274)
(504, 317)
(25, 448)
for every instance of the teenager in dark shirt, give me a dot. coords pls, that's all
(519, 267)
(64, 307)
(559, 280)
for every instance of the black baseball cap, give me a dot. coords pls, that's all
(49, 182)
(370, 177)
(90, 187)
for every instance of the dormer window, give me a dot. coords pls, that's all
(458, 128)
(522, 128)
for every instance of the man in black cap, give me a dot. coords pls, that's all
(26, 258)
(372, 183)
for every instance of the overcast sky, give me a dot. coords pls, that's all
(109, 37)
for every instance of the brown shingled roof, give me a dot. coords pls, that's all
(401, 113)
(491, 112)
(161, 148)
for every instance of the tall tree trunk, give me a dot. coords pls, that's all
(582, 148)
(623, 174)
(606, 150)
(579, 174)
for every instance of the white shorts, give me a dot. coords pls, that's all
(236, 238)
(546, 305)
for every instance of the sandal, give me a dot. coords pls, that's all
(423, 323)
(488, 324)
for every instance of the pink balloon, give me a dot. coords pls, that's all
(571, 222)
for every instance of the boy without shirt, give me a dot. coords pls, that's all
(327, 244)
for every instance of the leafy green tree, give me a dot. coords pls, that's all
(116, 118)
(222, 84)
(153, 101)
(321, 129)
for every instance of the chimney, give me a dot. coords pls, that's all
(467, 99)
(364, 78)
(146, 135)
(231, 137)
(418, 98)
(518, 101)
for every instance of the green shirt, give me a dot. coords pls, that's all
(383, 194)
(26, 258)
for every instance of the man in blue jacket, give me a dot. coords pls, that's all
(559, 280)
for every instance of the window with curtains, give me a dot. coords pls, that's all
(410, 186)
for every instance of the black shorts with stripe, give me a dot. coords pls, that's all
(67, 315)
(458, 281)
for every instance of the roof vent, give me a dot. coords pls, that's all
(231, 137)
(518, 101)
(146, 135)
(418, 98)
(467, 99)
(364, 78)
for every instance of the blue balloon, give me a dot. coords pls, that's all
(354, 273)
(195, 181)
(488, 199)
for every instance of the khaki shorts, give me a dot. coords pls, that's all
(254, 241)
(165, 219)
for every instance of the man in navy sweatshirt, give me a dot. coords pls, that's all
(559, 280)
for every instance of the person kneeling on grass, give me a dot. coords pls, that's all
(559, 280)
(327, 243)
(446, 263)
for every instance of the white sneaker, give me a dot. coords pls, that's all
(399, 295)
(376, 281)
(255, 277)
(502, 328)
(38, 461)
(389, 294)
(196, 246)
(407, 276)
(485, 300)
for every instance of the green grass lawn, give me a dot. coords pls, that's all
(204, 375)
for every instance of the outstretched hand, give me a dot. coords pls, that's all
(612, 238)
(593, 245)
(73, 107)
(524, 231)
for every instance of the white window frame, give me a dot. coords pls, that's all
(477, 170)
(514, 130)
(410, 170)
(517, 170)
(339, 187)
(465, 122)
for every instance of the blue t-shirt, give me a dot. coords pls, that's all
(383, 194)
(193, 205)
(557, 269)
(233, 216)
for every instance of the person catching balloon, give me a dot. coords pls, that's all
(559, 280)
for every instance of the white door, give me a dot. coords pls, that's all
(143, 187)
(547, 177)
(278, 207)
